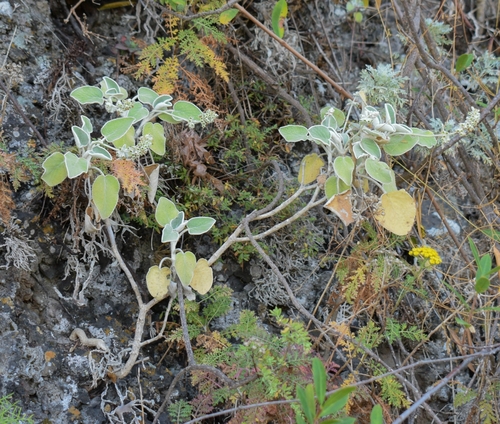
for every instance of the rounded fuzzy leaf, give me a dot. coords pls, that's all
(105, 194)
(379, 171)
(116, 128)
(167, 117)
(55, 171)
(169, 235)
(337, 114)
(186, 111)
(163, 102)
(75, 165)
(310, 168)
(396, 212)
(158, 281)
(320, 133)
(390, 114)
(138, 112)
(128, 139)
(400, 143)
(166, 211)
(157, 132)
(227, 16)
(334, 185)
(87, 125)
(203, 277)
(344, 167)
(82, 137)
(101, 153)
(293, 133)
(278, 17)
(178, 221)
(426, 138)
(371, 147)
(199, 225)
(146, 95)
(87, 95)
(185, 262)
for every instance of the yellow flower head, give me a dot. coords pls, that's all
(427, 253)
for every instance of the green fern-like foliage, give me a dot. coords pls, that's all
(397, 331)
(383, 85)
(180, 411)
(278, 363)
(195, 41)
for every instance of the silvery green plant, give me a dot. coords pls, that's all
(357, 153)
(130, 136)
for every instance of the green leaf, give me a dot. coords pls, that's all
(178, 221)
(346, 420)
(116, 128)
(55, 171)
(128, 139)
(101, 153)
(158, 133)
(227, 16)
(336, 401)
(87, 95)
(293, 133)
(334, 185)
(371, 147)
(358, 17)
(390, 114)
(463, 61)
(184, 267)
(146, 95)
(462, 322)
(75, 165)
(426, 138)
(306, 397)
(169, 235)
(379, 171)
(138, 112)
(344, 167)
(166, 211)
(199, 225)
(87, 125)
(319, 379)
(484, 265)
(82, 137)
(482, 284)
(105, 194)
(163, 102)
(111, 89)
(320, 133)
(167, 117)
(474, 250)
(278, 16)
(337, 114)
(376, 416)
(400, 144)
(186, 111)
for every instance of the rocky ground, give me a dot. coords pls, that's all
(53, 376)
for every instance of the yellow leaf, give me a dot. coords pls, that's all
(158, 280)
(310, 168)
(203, 277)
(397, 212)
(340, 205)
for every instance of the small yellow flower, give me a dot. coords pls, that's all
(427, 253)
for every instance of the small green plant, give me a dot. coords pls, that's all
(354, 158)
(484, 269)
(317, 408)
(10, 413)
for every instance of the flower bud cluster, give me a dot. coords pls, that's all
(120, 107)
(135, 152)
(470, 124)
